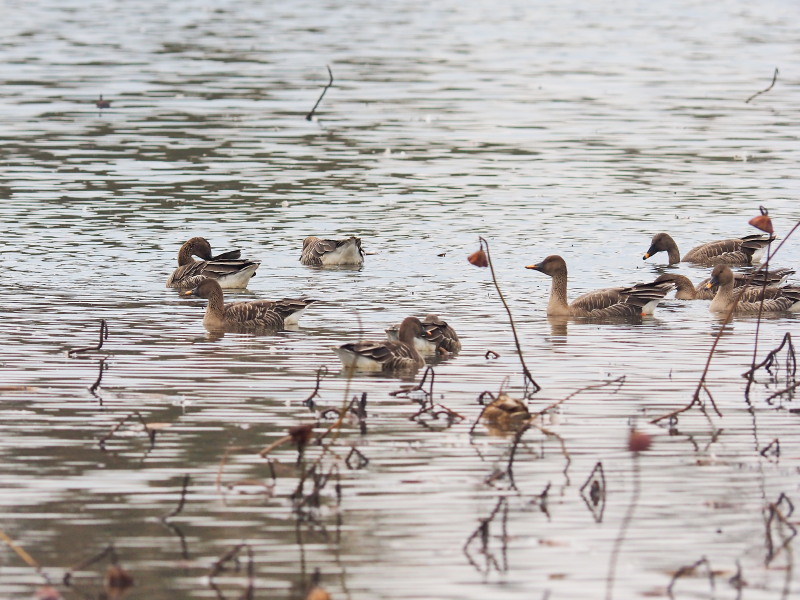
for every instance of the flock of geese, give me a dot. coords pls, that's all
(407, 344)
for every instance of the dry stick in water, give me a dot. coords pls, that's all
(181, 502)
(310, 115)
(96, 384)
(774, 79)
(525, 371)
(701, 385)
(309, 402)
(151, 433)
(103, 337)
(689, 570)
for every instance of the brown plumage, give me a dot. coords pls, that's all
(506, 413)
(785, 299)
(228, 268)
(386, 355)
(322, 252)
(736, 251)
(686, 290)
(635, 301)
(239, 316)
(438, 337)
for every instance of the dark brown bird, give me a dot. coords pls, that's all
(735, 251)
(228, 268)
(386, 355)
(635, 301)
(101, 104)
(258, 314)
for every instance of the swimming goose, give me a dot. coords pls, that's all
(686, 290)
(638, 300)
(738, 251)
(787, 298)
(324, 253)
(387, 355)
(258, 314)
(228, 268)
(438, 337)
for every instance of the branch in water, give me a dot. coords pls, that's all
(310, 115)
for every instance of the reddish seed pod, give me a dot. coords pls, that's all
(638, 441)
(478, 258)
(762, 222)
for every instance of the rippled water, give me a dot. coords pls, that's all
(568, 128)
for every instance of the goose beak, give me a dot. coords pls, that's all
(187, 293)
(534, 267)
(709, 285)
(646, 256)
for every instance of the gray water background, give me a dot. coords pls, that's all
(548, 127)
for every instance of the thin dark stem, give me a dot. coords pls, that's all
(103, 337)
(626, 521)
(310, 115)
(526, 372)
(181, 502)
(774, 79)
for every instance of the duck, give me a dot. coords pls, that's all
(505, 413)
(319, 252)
(228, 268)
(438, 337)
(386, 355)
(253, 315)
(785, 299)
(101, 104)
(686, 290)
(735, 251)
(635, 301)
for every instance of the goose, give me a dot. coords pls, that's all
(686, 290)
(257, 314)
(736, 251)
(387, 355)
(228, 268)
(505, 412)
(786, 298)
(438, 337)
(638, 300)
(325, 253)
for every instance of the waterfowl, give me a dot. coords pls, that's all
(101, 104)
(506, 413)
(258, 314)
(319, 252)
(438, 337)
(735, 251)
(784, 299)
(686, 290)
(228, 268)
(638, 300)
(388, 355)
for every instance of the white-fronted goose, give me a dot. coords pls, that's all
(785, 299)
(238, 316)
(638, 300)
(319, 252)
(438, 337)
(686, 290)
(736, 251)
(386, 355)
(228, 268)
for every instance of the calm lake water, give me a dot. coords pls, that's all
(546, 127)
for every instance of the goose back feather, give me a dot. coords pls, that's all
(438, 337)
(324, 252)
(785, 299)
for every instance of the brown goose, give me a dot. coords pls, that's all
(324, 253)
(438, 337)
(737, 251)
(228, 268)
(686, 290)
(786, 298)
(506, 413)
(386, 355)
(638, 300)
(258, 314)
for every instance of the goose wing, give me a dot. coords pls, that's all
(313, 252)
(191, 274)
(441, 334)
(734, 251)
(636, 300)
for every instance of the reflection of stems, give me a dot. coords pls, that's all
(526, 372)
(310, 115)
(626, 521)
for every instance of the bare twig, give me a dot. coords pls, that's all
(619, 380)
(151, 433)
(181, 502)
(96, 384)
(310, 115)
(688, 570)
(103, 337)
(774, 79)
(309, 402)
